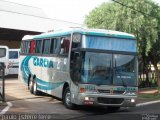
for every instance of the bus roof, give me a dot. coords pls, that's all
(28, 37)
(96, 32)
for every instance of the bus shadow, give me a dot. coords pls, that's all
(11, 76)
(100, 110)
(91, 109)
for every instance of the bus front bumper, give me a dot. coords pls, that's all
(106, 100)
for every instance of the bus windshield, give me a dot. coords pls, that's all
(2, 52)
(108, 69)
(108, 43)
(124, 70)
(96, 68)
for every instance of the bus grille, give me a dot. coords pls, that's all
(111, 92)
(110, 100)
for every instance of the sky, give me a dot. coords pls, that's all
(66, 10)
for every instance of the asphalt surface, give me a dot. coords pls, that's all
(148, 112)
(24, 103)
(58, 111)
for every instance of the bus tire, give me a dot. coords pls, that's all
(35, 91)
(67, 99)
(31, 86)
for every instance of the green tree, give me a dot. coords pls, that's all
(154, 55)
(138, 17)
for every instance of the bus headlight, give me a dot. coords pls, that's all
(132, 100)
(86, 98)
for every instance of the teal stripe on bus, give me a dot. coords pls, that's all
(50, 86)
(43, 85)
(50, 35)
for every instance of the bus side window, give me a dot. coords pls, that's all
(38, 46)
(65, 43)
(26, 46)
(55, 46)
(32, 46)
(22, 47)
(46, 46)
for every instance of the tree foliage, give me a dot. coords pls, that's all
(127, 19)
(138, 17)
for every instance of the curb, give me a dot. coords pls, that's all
(147, 103)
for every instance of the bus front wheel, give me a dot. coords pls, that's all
(67, 99)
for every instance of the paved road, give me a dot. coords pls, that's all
(25, 103)
(149, 112)
(48, 106)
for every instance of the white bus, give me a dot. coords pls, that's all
(82, 66)
(4, 57)
(13, 61)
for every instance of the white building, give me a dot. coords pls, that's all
(17, 20)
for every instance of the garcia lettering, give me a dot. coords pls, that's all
(43, 62)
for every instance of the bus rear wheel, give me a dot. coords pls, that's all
(31, 86)
(35, 91)
(67, 99)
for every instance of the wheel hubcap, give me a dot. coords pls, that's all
(30, 85)
(68, 98)
(35, 86)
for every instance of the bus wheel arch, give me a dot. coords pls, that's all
(29, 80)
(64, 87)
(34, 77)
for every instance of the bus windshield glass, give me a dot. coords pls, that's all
(108, 69)
(124, 70)
(96, 68)
(109, 43)
(2, 52)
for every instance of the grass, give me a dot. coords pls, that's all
(149, 96)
